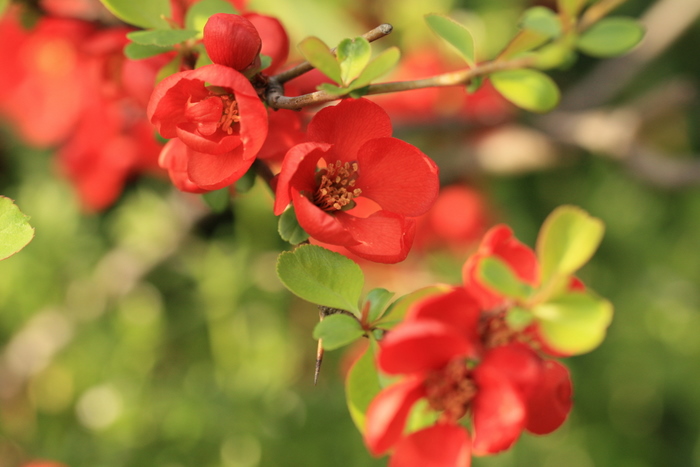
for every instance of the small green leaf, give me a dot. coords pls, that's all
(337, 331)
(199, 13)
(361, 387)
(524, 41)
(322, 277)
(289, 228)
(353, 56)
(567, 240)
(15, 231)
(378, 66)
(170, 68)
(497, 275)
(332, 89)
(554, 55)
(543, 20)
(265, 61)
(161, 37)
(378, 300)
(144, 13)
(397, 311)
(610, 37)
(455, 34)
(217, 200)
(357, 93)
(316, 52)
(529, 89)
(519, 318)
(421, 416)
(574, 323)
(135, 51)
(475, 84)
(570, 8)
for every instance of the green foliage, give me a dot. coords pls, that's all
(3, 6)
(397, 311)
(519, 318)
(217, 200)
(15, 231)
(567, 240)
(542, 20)
(378, 300)
(610, 37)
(161, 37)
(525, 41)
(497, 275)
(144, 13)
(529, 89)
(353, 56)
(198, 14)
(322, 277)
(455, 34)
(289, 228)
(361, 386)
(139, 51)
(377, 67)
(574, 323)
(571, 8)
(338, 330)
(317, 53)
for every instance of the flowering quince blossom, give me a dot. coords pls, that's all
(504, 389)
(222, 124)
(355, 186)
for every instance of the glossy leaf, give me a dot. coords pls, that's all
(15, 231)
(198, 14)
(353, 56)
(139, 51)
(322, 277)
(498, 276)
(610, 37)
(143, 13)
(377, 67)
(378, 300)
(574, 323)
(361, 387)
(289, 228)
(316, 52)
(161, 37)
(567, 240)
(542, 20)
(528, 89)
(455, 34)
(338, 330)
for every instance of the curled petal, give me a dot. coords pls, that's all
(456, 309)
(383, 237)
(397, 176)
(438, 446)
(349, 125)
(307, 154)
(386, 415)
(214, 171)
(173, 157)
(550, 403)
(231, 40)
(318, 223)
(420, 346)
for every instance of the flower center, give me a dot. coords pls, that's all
(335, 189)
(229, 114)
(450, 390)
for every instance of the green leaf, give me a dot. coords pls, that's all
(198, 14)
(543, 20)
(378, 300)
(338, 330)
(570, 8)
(574, 323)
(529, 89)
(475, 84)
(353, 56)
(3, 6)
(397, 311)
(170, 68)
(498, 276)
(322, 277)
(361, 387)
(289, 228)
(247, 181)
(316, 52)
(567, 240)
(378, 66)
(518, 318)
(15, 231)
(161, 37)
(217, 200)
(138, 51)
(610, 37)
(143, 13)
(524, 41)
(455, 34)
(332, 89)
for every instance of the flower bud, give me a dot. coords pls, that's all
(231, 40)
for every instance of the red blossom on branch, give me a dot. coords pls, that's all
(231, 40)
(355, 186)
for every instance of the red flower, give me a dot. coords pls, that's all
(223, 125)
(275, 42)
(231, 40)
(368, 188)
(505, 389)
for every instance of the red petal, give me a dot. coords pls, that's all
(214, 171)
(398, 176)
(519, 363)
(386, 415)
(319, 224)
(383, 237)
(437, 446)
(309, 153)
(169, 100)
(550, 404)
(231, 40)
(275, 42)
(349, 125)
(498, 410)
(173, 157)
(421, 345)
(456, 309)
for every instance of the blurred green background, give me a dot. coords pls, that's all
(157, 334)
